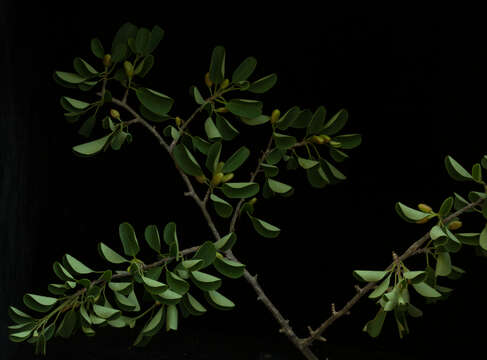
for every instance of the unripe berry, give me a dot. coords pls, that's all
(225, 84)
(275, 116)
(253, 201)
(326, 138)
(129, 69)
(424, 220)
(179, 121)
(217, 179)
(227, 177)
(219, 255)
(455, 225)
(317, 139)
(221, 110)
(425, 208)
(107, 60)
(114, 114)
(200, 178)
(208, 82)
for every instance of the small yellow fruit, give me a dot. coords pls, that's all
(114, 114)
(425, 208)
(221, 110)
(217, 179)
(275, 116)
(225, 84)
(227, 177)
(219, 255)
(335, 144)
(253, 201)
(326, 138)
(317, 139)
(219, 167)
(129, 69)
(179, 121)
(107, 60)
(201, 179)
(208, 82)
(454, 225)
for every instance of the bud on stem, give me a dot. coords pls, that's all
(114, 114)
(107, 60)
(179, 121)
(217, 179)
(425, 208)
(253, 201)
(201, 179)
(219, 166)
(129, 69)
(224, 84)
(208, 82)
(317, 140)
(455, 225)
(275, 116)
(227, 177)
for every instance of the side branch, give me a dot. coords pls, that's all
(412, 250)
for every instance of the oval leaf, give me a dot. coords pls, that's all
(154, 101)
(236, 160)
(129, 239)
(263, 228)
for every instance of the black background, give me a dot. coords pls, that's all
(413, 85)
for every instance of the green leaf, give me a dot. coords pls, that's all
(192, 305)
(121, 287)
(240, 190)
(274, 156)
(211, 130)
(331, 171)
(186, 161)
(302, 120)
(73, 105)
(106, 312)
(484, 209)
(169, 234)
(118, 139)
(76, 266)
(154, 101)
(278, 187)
(336, 123)
(87, 127)
(226, 242)
(455, 170)
(154, 286)
(217, 65)
(369, 275)
(374, 326)
(153, 326)
(460, 203)
(147, 65)
(151, 235)
(446, 206)
(176, 283)
(415, 276)
(473, 196)
(225, 128)
(195, 93)
(201, 145)
(17, 316)
(68, 324)
(84, 69)
(307, 163)
(408, 214)
(207, 253)
(142, 40)
(443, 264)
(204, 281)
(477, 172)
(284, 141)
(414, 311)
(288, 118)
(20, 336)
(155, 38)
(172, 318)
(269, 170)
(259, 120)
(218, 301)
(245, 108)
(317, 177)
(97, 48)
(263, 228)
(317, 121)
(192, 265)
(263, 85)
(229, 268)
(338, 155)
(381, 288)
(222, 208)
(483, 162)
(244, 70)
(109, 255)
(349, 141)
(468, 238)
(39, 303)
(236, 160)
(93, 147)
(126, 31)
(213, 157)
(129, 239)
(168, 297)
(425, 290)
(483, 238)
(61, 272)
(70, 78)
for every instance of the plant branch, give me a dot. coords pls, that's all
(414, 249)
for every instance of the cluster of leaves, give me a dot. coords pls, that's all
(394, 295)
(83, 303)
